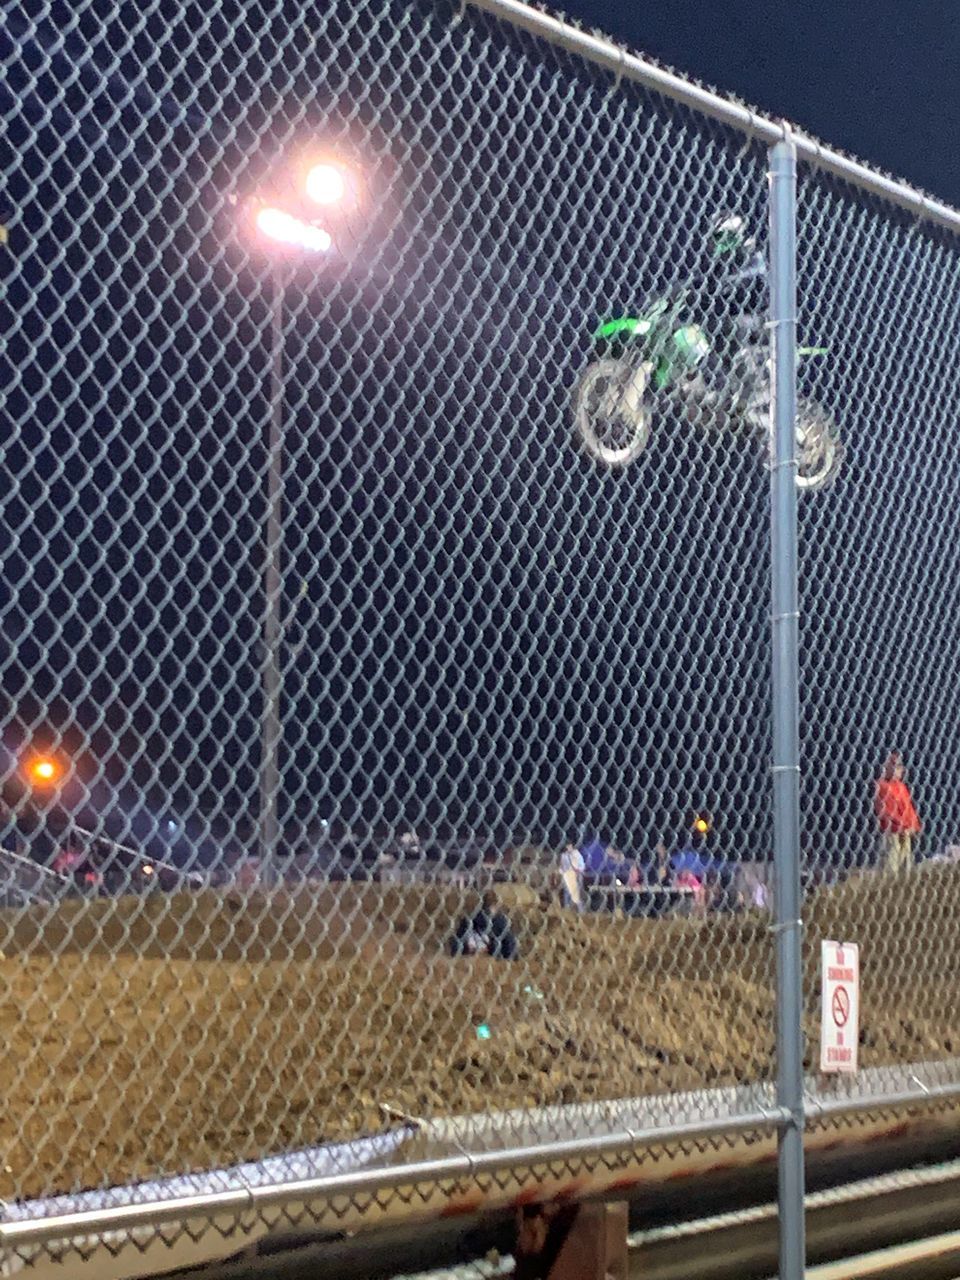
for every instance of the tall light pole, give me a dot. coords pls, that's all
(271, 729)
(292, 234)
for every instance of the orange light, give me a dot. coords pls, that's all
(44, 770)
(701, 826)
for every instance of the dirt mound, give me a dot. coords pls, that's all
(163, 1034)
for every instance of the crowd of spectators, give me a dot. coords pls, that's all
(687, 876)
(695, 880)
(596, 876)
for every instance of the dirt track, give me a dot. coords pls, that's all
(158, 1035)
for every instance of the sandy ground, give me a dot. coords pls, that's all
(150, 1036)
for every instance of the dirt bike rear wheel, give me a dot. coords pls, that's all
(819, 447)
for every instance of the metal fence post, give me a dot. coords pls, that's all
(271, 728)
(785, 702)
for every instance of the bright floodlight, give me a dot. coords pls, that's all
(277, 224)
(326, 184)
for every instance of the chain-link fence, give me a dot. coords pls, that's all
(385, 616)
(878, 570)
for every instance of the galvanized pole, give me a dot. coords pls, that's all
(786, 703)
(271, 726)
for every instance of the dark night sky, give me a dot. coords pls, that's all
(490, 634)
(874, 77)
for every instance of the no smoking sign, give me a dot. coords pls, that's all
(839, 1006)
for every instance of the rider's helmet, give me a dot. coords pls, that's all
(728, 234)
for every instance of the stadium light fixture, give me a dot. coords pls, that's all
(325, 183)
(285, 228)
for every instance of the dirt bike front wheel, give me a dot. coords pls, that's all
(612, 410)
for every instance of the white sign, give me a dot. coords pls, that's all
(839, 1006)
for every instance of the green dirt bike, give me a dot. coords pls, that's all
(698, 348)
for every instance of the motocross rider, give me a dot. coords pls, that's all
(737, 275)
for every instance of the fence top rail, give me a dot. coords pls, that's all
(604, 52)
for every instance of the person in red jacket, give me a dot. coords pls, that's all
(896, 817)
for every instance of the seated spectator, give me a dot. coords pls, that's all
(690, 858)
(693, 856)
(594, 853)
(603, 864)
(660, 873)
(618, 866)
(486, 932)
(687, 880)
